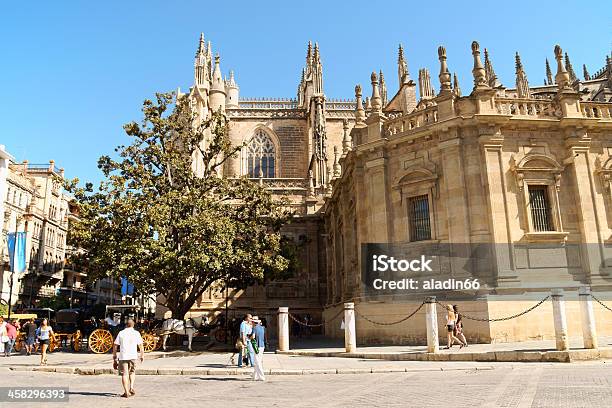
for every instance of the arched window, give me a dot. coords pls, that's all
(261, 155)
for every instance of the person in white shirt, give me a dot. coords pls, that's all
(130, 346)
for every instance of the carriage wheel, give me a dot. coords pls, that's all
(76, 341)
(54, 341)
(19, 342)
(148, 342)
(100, 341)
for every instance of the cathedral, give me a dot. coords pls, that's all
(521, 171)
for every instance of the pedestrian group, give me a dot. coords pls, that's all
(250, 345)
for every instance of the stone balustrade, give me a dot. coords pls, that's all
(267, 104)
(294, 185)
(413, 120)
(601, 110)
(531, 108)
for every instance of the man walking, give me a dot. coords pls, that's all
(245, 330)
(130, 343)
(30, 332)
(260, 337)
(11, 330)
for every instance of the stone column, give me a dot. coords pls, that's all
(560, 321)
(350, 335)
(496, 187)
(283, 329)
(431, 320)
(589, 332)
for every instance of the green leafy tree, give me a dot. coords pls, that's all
(54, 302)
(172, 227)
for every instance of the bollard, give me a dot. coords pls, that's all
(559, 319)
(589, 331)
(283, 329)
(431, 321)
(350, 335)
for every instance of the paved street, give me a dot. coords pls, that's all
(517, 385)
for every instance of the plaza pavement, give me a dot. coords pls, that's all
(532, 351)
(306, 358)
(508, 385)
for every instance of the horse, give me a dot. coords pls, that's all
(182, 328)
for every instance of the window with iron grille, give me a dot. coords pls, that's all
(540, 208)
(418, 211)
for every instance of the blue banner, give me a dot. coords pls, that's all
(17, 251)
(127, 289)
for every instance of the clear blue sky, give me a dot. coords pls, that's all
(73, 72)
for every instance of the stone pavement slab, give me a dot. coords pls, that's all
(532, 351)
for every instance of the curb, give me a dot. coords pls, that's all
(488, 356)
(236, 372)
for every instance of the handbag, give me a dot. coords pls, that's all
(254, 344)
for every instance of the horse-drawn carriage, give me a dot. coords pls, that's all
(68, 326)
(101, 339)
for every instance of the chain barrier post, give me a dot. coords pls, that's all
(560, 320)
(431, 321)
(350, 335)
(589, 331)
(283, 329)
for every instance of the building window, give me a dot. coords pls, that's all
(261, 156)
(418, 213)
(540, 208)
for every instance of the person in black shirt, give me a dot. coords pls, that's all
(30, 331)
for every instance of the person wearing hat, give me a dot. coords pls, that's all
(259, 341)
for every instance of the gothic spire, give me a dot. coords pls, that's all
(480, 79)
(585, 73)
(562, 78)
(522, 85)
(375, 100)
(570, 69)
(347, 143)
(402, 67)
(549, 78)
(489, 72)
(359, 111)
(309, 53)
(217, 78)
(337, 168)
(201, 64)
(456, 88)
(426, 90)
(444, 76)
(201, 46)
(383, 89)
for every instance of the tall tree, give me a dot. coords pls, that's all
(166, 219)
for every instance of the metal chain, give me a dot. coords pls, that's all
(600, 302)
(389, 323)
(501, 319)
(298, 321)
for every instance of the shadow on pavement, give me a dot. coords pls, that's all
(99, 394)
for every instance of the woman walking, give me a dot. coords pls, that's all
(253, 350)
(450, 327)
(44, 334)
(4, 339)
(459, 325)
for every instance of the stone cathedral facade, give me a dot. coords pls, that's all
(525, 169)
